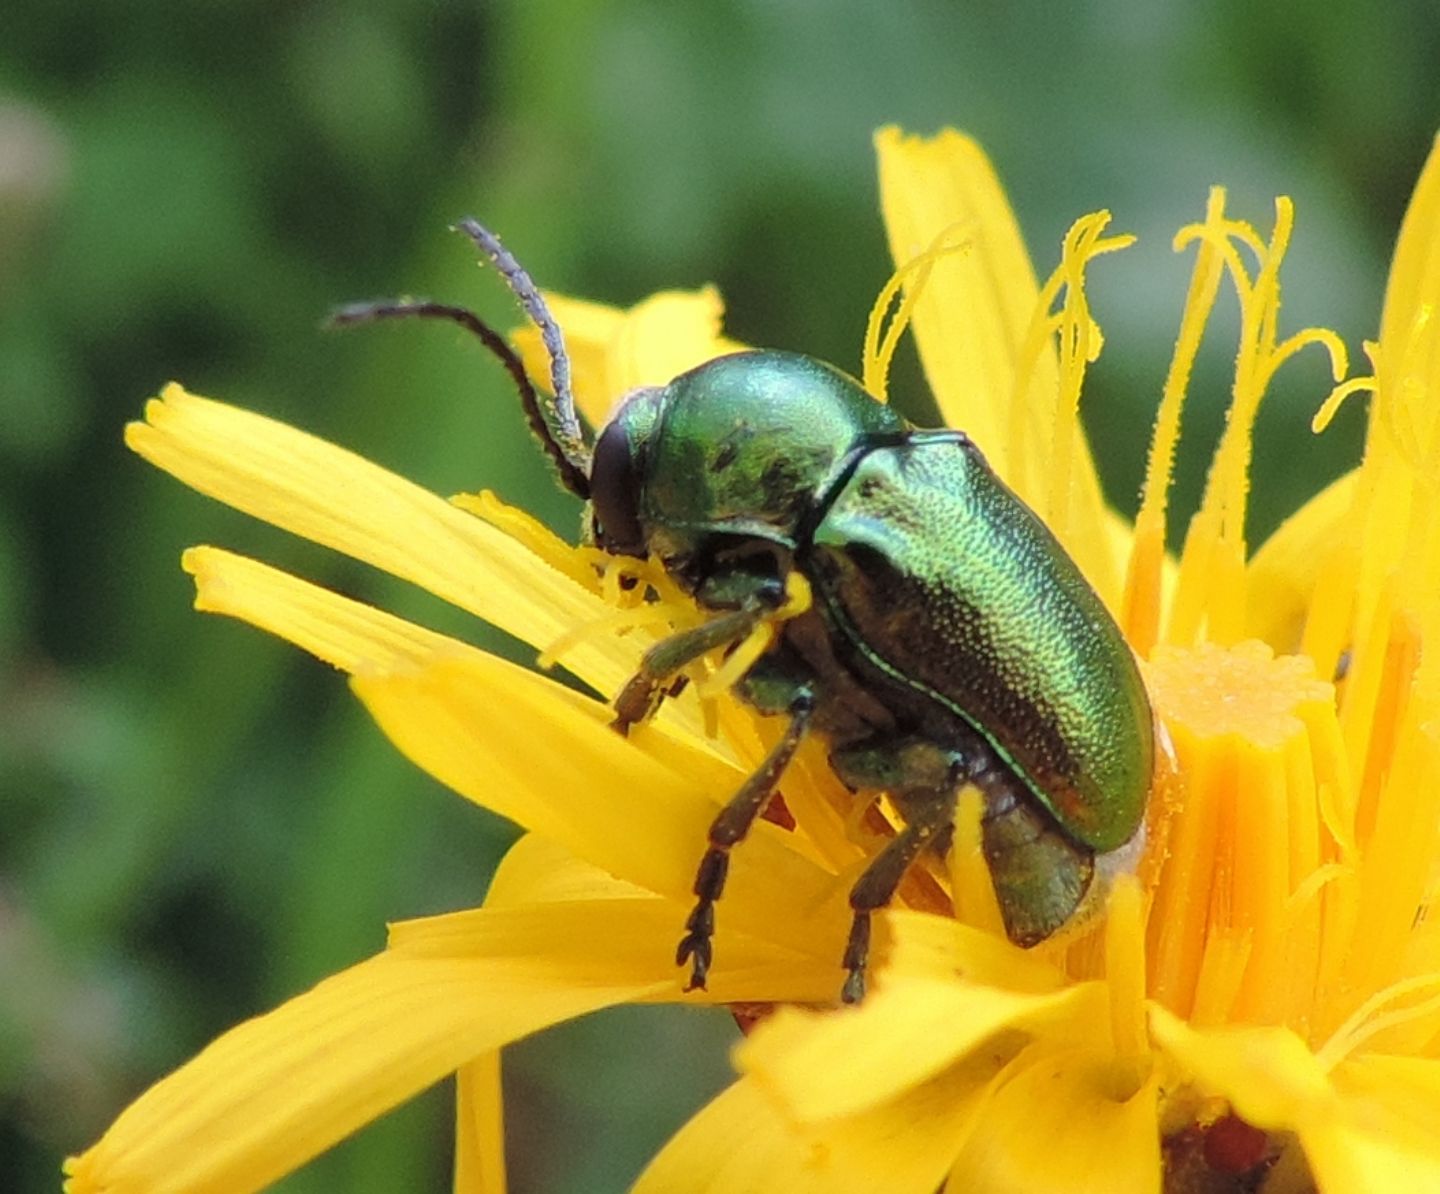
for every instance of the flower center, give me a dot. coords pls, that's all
(1247, 850)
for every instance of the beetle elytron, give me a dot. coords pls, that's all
(950, 640)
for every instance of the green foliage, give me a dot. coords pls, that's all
(196, 822)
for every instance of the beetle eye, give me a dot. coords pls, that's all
(613, 493)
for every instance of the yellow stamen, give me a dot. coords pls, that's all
(528, 530)
(1368, 1022)
(617, 622)
(1141, 611)
(757, 642)
(626, 581)
(738, 662)
(1337, 396)
(1210, 597)
(644, 594)
(1309, 891)
(1080, 342)
(877, 353)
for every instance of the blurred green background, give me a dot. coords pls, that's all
(196, 821)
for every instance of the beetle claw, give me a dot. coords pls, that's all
(695, 948)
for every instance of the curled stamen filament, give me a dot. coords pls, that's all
(758, 641)
(619, 622)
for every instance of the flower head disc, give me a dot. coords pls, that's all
(1259, 1005)
(1235, 925)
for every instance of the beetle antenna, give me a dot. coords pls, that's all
(562, 432)
(574, 474)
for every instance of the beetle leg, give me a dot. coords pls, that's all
(899, 765)
(927, 820)
(660, 664)
(728, 828)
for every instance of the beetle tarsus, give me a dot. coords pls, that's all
(731, 824)
(695, 947)
(928, 820)
(857, 955)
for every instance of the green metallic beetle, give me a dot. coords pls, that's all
(950, 639)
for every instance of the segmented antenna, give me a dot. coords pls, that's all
(554, 422)
(559, 415)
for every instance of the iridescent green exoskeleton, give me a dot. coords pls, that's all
(950, 640)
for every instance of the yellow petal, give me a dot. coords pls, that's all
(346, 634)
(1414, 282)
(277, 1090)
(970, 326)
(906, 1032)
(1397, 504)
(614, 351)
(334, 497)
(604, 942)
(970, 322)
(746, 969)
(1369, 1126)
(479, 1127)
(588, 329)
(1282, 576)
(922, 945)
(742, 1142)
(349, 634)
(539, 870)
(601, 942)
(1054, 1126)
(639, 810)
(1386, 1138)
(1267, 1074)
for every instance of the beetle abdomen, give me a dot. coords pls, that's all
(939, 576)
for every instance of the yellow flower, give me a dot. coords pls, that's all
(1263, 1000)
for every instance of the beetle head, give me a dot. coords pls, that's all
(730, 459)
(718, 474)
